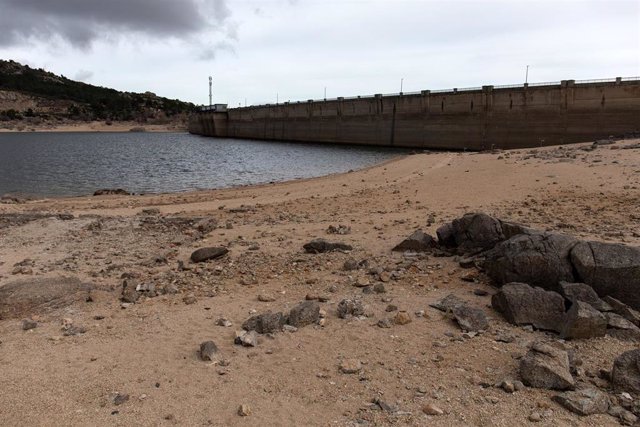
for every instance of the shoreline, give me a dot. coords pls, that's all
(95, 126)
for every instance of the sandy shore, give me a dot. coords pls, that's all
(148, 350)
(95, 126)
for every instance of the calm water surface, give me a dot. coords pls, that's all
(70, 164)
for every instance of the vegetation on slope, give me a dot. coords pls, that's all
(81, 101)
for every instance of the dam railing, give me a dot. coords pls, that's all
(441, 91)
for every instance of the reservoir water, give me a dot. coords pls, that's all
(72, 164)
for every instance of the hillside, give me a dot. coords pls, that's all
(34, 97)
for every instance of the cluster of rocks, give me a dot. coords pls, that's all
(303, 314)
(549, 365)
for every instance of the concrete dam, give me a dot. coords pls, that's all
(482, 118)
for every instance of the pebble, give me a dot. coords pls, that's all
(208, 351)
(246, 339)
(391, 308)
(350, 366)
(431, 409)
(223, 321)
(189, 299)
(384, 323)
(402, 318)
(28, 324)
(535, 417)
(120, 398)
(266, 298)
(244, 410)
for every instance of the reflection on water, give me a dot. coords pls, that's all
(68, 164)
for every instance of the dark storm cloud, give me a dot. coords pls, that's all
(83, 21)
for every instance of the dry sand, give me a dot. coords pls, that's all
(148, 350)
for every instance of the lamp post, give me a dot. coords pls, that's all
(526, 76)
(210, 91)
(401, 83)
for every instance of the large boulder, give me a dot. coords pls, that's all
(546, 366)
(611, 269)
(419, 241)
(583, 321)
(522, 304)
(476, 232)
(585, 293)
(584, 402)
(540, 259)
(626, 372)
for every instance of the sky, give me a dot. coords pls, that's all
(292, 50)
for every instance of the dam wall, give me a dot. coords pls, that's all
(461, 119)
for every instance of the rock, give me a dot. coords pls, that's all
(208, 351)
(244, 410)
(431, 409)
(419, 241)
(466, 262)
(350, 265)
(448, 303)
(385, 406)
(583, 321)
(349, 307)
(350, 366)
(545, 366)
(620, 308)
(379, 288)
(318, 246)
(206, 254)
(619, 323)
(535, 417)
(265, 323)
(585, 293)
(470, 319)
(539, 259)
(521, 304)
(28, 324)
(584, 402)
(384, 323)
(120, 398)
(402, 318)
(476, 231)
(626, 372)
(223, 321)
(266, 298)
(625, 417)
(189, 299)
(111, 192)
(129, 292)
(303, 314)
(610, 269)
(246, 338)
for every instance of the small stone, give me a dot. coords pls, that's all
(120, 398)
(384, 323)
(208, 351)
(266, 298)
(535, 417)
(480, 292)
(305, 313)
(379, 288)
(189, 299)
(508, 386)
(244, 410)
(350, 366)
(223, 321)
(402, 318)
(348, 307)
(246, 338)
(431, 409)
(28, 324)
(391, 308)
(289, 328)
(205, 254)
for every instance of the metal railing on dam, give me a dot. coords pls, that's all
(473, 118)
(216, 107)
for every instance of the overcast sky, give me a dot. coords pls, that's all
(293, 49)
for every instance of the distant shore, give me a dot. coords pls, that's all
(94, 126)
